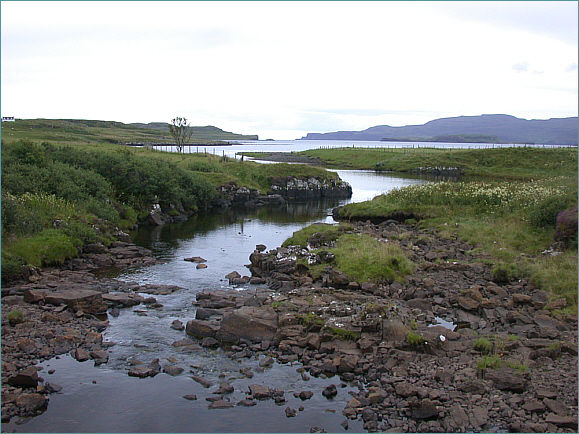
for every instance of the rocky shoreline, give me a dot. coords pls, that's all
(415, 349)
(449, 350)
(282, 190)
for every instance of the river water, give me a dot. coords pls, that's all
(106, 399)
(239, 146)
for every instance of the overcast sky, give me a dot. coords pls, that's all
(282, 69)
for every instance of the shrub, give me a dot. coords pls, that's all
(504, 273)
(544, 214)
(13, 268)
(415, 339)
(15, 317)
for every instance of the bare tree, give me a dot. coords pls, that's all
(181, 132)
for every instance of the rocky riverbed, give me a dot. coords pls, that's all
(414, 350)
(448, 350)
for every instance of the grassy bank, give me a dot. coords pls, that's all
(503, 163)
(360, 256)
(507, 205)
(57, 197)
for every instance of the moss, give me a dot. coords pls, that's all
(311, 320)
(342, 334)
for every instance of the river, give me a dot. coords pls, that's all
(239, 146)
(106, 399)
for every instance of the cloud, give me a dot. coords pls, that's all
(556, 19)
(521, 67)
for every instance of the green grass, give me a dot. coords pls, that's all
(483, 345)
(342, 334)
(505, 163)
(49, 247)
(362, 259)
(493, 362)
(321, 232)
(311, 320)
(76, 132)
(499, 218)
(415, 339)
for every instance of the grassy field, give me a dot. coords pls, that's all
(504, 163)
(88, 131)
(507, 207)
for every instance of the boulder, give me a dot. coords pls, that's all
(81, 355)
(173, 370)
(330, 391)
(201, 329)
(32, 402)
(27, 377)
(177, 325)
(220, 404)
(507, 379)
(425, 410)
(233, 275)
(85, 300)
(122, 299)
(150, 370)
(99, 357)
(562, 421)
(260, 392)
(250, 323)
(196, 259)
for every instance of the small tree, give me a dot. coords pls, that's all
(181, 132)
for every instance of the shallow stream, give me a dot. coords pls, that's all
(106, 399)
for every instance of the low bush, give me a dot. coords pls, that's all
(544, 214)
(415, 339)
(15, 317)
(505, 273)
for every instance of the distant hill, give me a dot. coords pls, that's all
(93, 131)
(503, 128)
(203, 133)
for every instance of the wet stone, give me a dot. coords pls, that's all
(220, 404)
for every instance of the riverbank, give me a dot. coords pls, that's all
(504, 163)
(500, 356)
(56, 198)
(445, 349)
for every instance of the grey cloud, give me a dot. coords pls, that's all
(556, 19)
